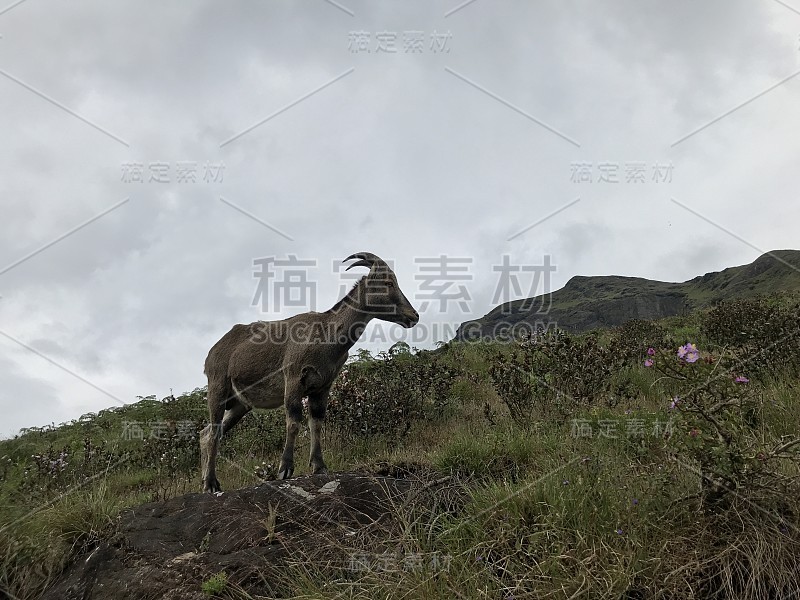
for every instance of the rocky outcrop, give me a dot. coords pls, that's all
(166, 549)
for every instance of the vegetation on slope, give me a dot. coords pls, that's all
(655, 460)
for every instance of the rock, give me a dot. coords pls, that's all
(166, 549)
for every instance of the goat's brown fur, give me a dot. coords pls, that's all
(267, 364)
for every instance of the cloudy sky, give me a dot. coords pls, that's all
(151, 154)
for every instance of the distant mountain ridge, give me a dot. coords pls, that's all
(586, 303)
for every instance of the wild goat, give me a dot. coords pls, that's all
(271, 363)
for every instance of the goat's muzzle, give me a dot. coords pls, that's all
(409, 319)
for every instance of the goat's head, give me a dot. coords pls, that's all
(380, 295)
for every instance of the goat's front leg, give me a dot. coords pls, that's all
(317, 405)
(210, 438)
(294, 414)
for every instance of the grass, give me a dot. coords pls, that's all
(536, 510)
(215, 584)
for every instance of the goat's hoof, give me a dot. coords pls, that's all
(211, 486)
(285, 473)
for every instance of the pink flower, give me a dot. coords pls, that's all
(689, 353)
(742, 379)
(675, 401)
(648, 362)
(651, 351)
(694, 433)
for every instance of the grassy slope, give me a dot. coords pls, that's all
(546, 514)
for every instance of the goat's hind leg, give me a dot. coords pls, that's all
(236, 410)
(211, 435)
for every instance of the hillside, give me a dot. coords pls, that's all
(586, 303)
(636, 463)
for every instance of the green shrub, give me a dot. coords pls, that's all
(719, 427)
(631, 340)
(765, 331)
(384, 396)
(215, 584)
(553, 374)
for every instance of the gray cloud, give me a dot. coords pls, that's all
(400, 157)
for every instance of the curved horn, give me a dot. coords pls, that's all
(367, 259)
